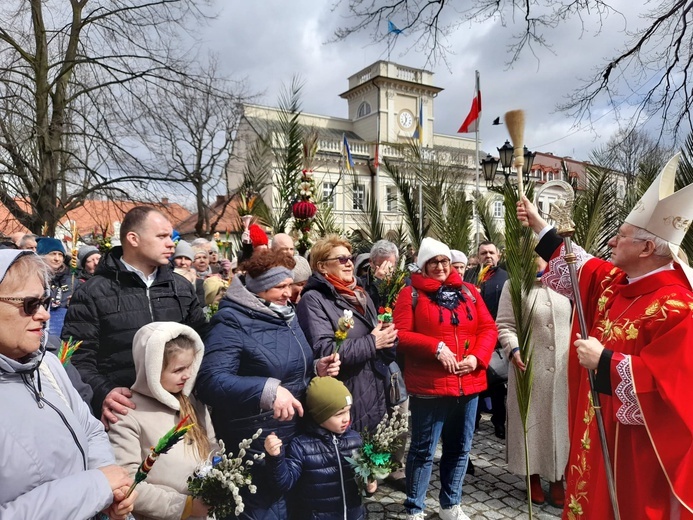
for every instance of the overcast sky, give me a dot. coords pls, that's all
(270, 41)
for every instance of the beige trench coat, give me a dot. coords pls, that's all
(548, 414)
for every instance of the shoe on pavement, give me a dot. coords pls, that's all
(454, 513)
(556, 496)
(537, 492)
(416, 516)
(470, 468)
(499, 431)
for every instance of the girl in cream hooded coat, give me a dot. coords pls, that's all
(164, 494)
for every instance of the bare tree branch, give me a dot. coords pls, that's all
(646, 78)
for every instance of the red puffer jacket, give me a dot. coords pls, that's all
(421, 329)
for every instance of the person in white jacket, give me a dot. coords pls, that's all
(55, 459)
(167, 357)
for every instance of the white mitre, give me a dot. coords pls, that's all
(664, 213)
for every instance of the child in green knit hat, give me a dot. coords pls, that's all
(314, 463)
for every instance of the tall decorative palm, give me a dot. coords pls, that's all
(454, 228)
(492, 230)
(287, 148)
(597, 212)
(325, 221)
(370, 225)
(519, 251)
(406, 181)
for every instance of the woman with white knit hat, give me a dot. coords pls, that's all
(447, 336)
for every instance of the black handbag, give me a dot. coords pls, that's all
(395, 389)
(497, 371)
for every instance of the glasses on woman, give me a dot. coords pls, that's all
(443, 262)
(30, 304)
(342, 259)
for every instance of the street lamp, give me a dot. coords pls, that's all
(527, 166)
(489, 164)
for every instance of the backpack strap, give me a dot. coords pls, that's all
(469, 293)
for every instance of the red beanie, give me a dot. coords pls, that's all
(257, 236)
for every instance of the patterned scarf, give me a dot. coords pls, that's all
(351, 292)
(445, 295)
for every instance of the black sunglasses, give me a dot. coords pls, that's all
(30, 304)
(342, 259)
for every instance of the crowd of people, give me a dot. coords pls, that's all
(171, 330)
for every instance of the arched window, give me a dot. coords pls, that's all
(364, 109)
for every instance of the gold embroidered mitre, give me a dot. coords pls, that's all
(664, 213)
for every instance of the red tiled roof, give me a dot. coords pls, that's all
(228, 221)
(94, 214)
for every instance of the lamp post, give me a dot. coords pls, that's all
(489, 165)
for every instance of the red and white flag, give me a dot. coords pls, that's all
(471, 122)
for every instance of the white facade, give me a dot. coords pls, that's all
(384, 102)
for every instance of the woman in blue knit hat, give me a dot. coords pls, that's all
(62, 282)
(256, 367)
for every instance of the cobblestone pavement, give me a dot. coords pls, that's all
(492, 493)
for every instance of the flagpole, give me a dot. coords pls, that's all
(342, 176)
(419, 131)
(420, 202)
(476, 194)
(377, 158)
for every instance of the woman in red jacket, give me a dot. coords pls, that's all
(447, 336)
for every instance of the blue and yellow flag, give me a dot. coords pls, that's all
(346, 152)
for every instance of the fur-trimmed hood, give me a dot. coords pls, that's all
(148, 354)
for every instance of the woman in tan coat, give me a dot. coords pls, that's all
(547, 423)
(167, 357)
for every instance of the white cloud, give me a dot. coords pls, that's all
(270, 41)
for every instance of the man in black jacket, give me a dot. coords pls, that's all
(490, 282)
(133, 285)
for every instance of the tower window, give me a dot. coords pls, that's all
(364, 109)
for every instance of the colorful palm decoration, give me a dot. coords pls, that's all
(67, 348)
(167, 442)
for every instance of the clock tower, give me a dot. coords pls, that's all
(386, 101)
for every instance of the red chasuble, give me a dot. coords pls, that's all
(648, 417)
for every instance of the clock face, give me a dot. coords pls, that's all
(406, 119)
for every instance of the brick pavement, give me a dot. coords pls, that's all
(492, 494)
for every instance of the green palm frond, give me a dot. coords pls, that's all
(369, 222)
(287, 146)
(521, 267)
(484, 209)
(597, 212)
(399, 237)
(408, 200)
(457, 220)
(325, 221)
(257, 170)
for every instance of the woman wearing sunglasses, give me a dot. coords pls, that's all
(57, 461)
(367, 350)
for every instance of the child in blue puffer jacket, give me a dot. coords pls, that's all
(314, 464)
